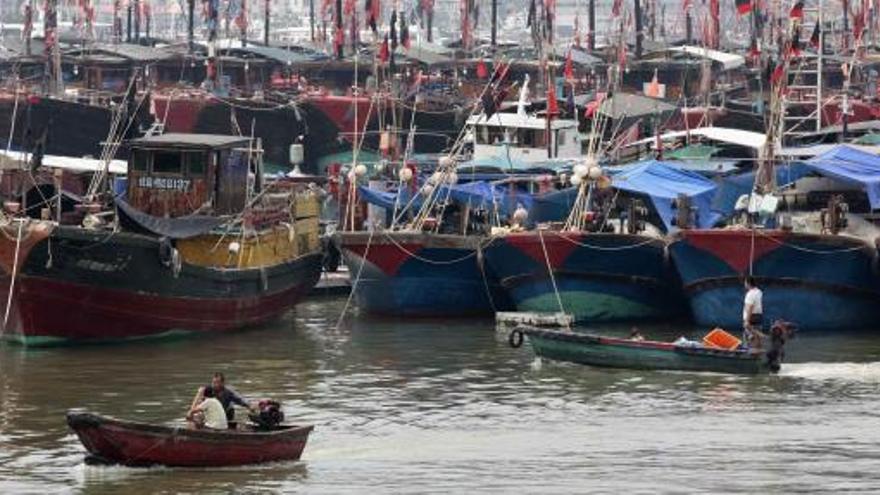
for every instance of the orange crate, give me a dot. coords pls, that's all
(720, 339)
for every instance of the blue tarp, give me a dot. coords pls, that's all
(852, 166)
(663, 183)
(477, 194)
(731, 188)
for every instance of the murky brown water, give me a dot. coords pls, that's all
(444, 407)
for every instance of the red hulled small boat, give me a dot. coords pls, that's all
(113, 441)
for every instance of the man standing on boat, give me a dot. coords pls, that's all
(227, 397)
(753, 313)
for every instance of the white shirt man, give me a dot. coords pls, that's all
(215, 415)
(753, 313)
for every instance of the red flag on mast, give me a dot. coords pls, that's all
(569, 67)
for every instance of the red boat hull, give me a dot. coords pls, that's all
(83, 313)
(113, 441)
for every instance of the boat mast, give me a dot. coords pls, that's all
(494, 24)
(266, 21)
(28, 26)
(190, 25)
(53, 54)
(312, 19)
(137, 20)
(591, 24)
(639, 34)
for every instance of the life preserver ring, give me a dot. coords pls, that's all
(516, 338)
(166, 251)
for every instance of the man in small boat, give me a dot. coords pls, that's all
(753, 313)
(209, 414)
(227, 397)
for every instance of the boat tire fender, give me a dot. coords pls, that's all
(166, 251)
(515, 339)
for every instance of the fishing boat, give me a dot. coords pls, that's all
(611, 352)
(114, 441)
(195, 242)
(805, 232)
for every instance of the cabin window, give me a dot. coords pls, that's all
(195, 163)
(167, 163)
(140, 161)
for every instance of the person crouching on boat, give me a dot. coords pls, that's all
(208, 414)
(227, 397)
(753, 314)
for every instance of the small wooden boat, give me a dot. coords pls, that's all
(610, 352)
(112, 441)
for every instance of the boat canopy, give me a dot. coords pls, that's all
(852, 166)
(727, 60)
(515, 120)
(14, 159)
(738, 137)
(663, 183)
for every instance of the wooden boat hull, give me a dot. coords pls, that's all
(610, 352)
(820, 282)
(599, 277)
(78, 286)
(419, 274)
(114, 441)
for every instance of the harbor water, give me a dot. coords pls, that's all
(439, 406)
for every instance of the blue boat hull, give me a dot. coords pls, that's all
(820, 282)
(420, 275)
(598, 277)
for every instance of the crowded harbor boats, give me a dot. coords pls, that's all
(186, 172)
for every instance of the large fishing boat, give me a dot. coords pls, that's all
(197, 242)
(814, 258)
(600, 266)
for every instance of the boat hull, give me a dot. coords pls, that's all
(608, 352)
(83, 286)
(820, 282)
(419, 274)
(599, 277)
(135, 444)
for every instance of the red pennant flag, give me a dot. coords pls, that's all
(777, 74)
(797, 11)
(482, 71)
(384, 53)
(552, 104)
(814, 38)
(569, 67)
(743, 6)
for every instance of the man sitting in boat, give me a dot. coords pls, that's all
(227, 397)
(208, 413)
(753, 313)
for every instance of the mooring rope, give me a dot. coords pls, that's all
(14, 274)
(357, 280)
(550, 272)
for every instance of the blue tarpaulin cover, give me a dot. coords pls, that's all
(663, 182)
(852, 166)
(476, 194)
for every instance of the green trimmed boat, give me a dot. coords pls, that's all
(610, 352)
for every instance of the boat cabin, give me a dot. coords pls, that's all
(174, 175)
(524, 137)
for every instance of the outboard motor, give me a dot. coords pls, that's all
(269, 415)
(780, 333)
